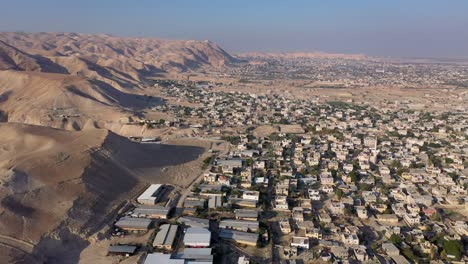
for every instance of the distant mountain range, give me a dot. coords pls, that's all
(125, 59)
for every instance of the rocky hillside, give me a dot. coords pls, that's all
(65, 101)
(58, 188)
(105, 55)
(12, 58)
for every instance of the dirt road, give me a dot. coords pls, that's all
(18, 244)
(199, 178)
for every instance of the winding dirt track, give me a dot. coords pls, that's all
(18, 244)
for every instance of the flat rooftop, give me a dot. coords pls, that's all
(148, 194)
(122, 249)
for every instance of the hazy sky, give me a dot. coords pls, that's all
(406, 28)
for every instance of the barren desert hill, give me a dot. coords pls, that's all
(65, 101)
(58, 188)
(134, 57)
(12, 58)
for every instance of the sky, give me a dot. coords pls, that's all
(395, 28)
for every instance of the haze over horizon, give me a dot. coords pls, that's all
(398, 28)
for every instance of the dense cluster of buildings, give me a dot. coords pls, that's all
(349, 72)
(342, 179)
(328, 181)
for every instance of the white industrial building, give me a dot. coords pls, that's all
(198, 237)
(239, 236)
(133, 224)
(151, 195)
(160, 258)
(151, 211)
(165, 237)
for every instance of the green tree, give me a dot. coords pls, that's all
(354, 176)
(407, 252)
(339, 193)
(395, 164)
(208, 161)
(436, 217)
(453, 248)
(364, 187)
(396, 239)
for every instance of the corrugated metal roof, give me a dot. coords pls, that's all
(198, 251)
(129, 222)
(241, 201)
(165, 236)
(199, 254)
(246, 213)
(194, 221)
(197, 235)
(239, 223)
(238, 235)
(127, 249)
(150, 209)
